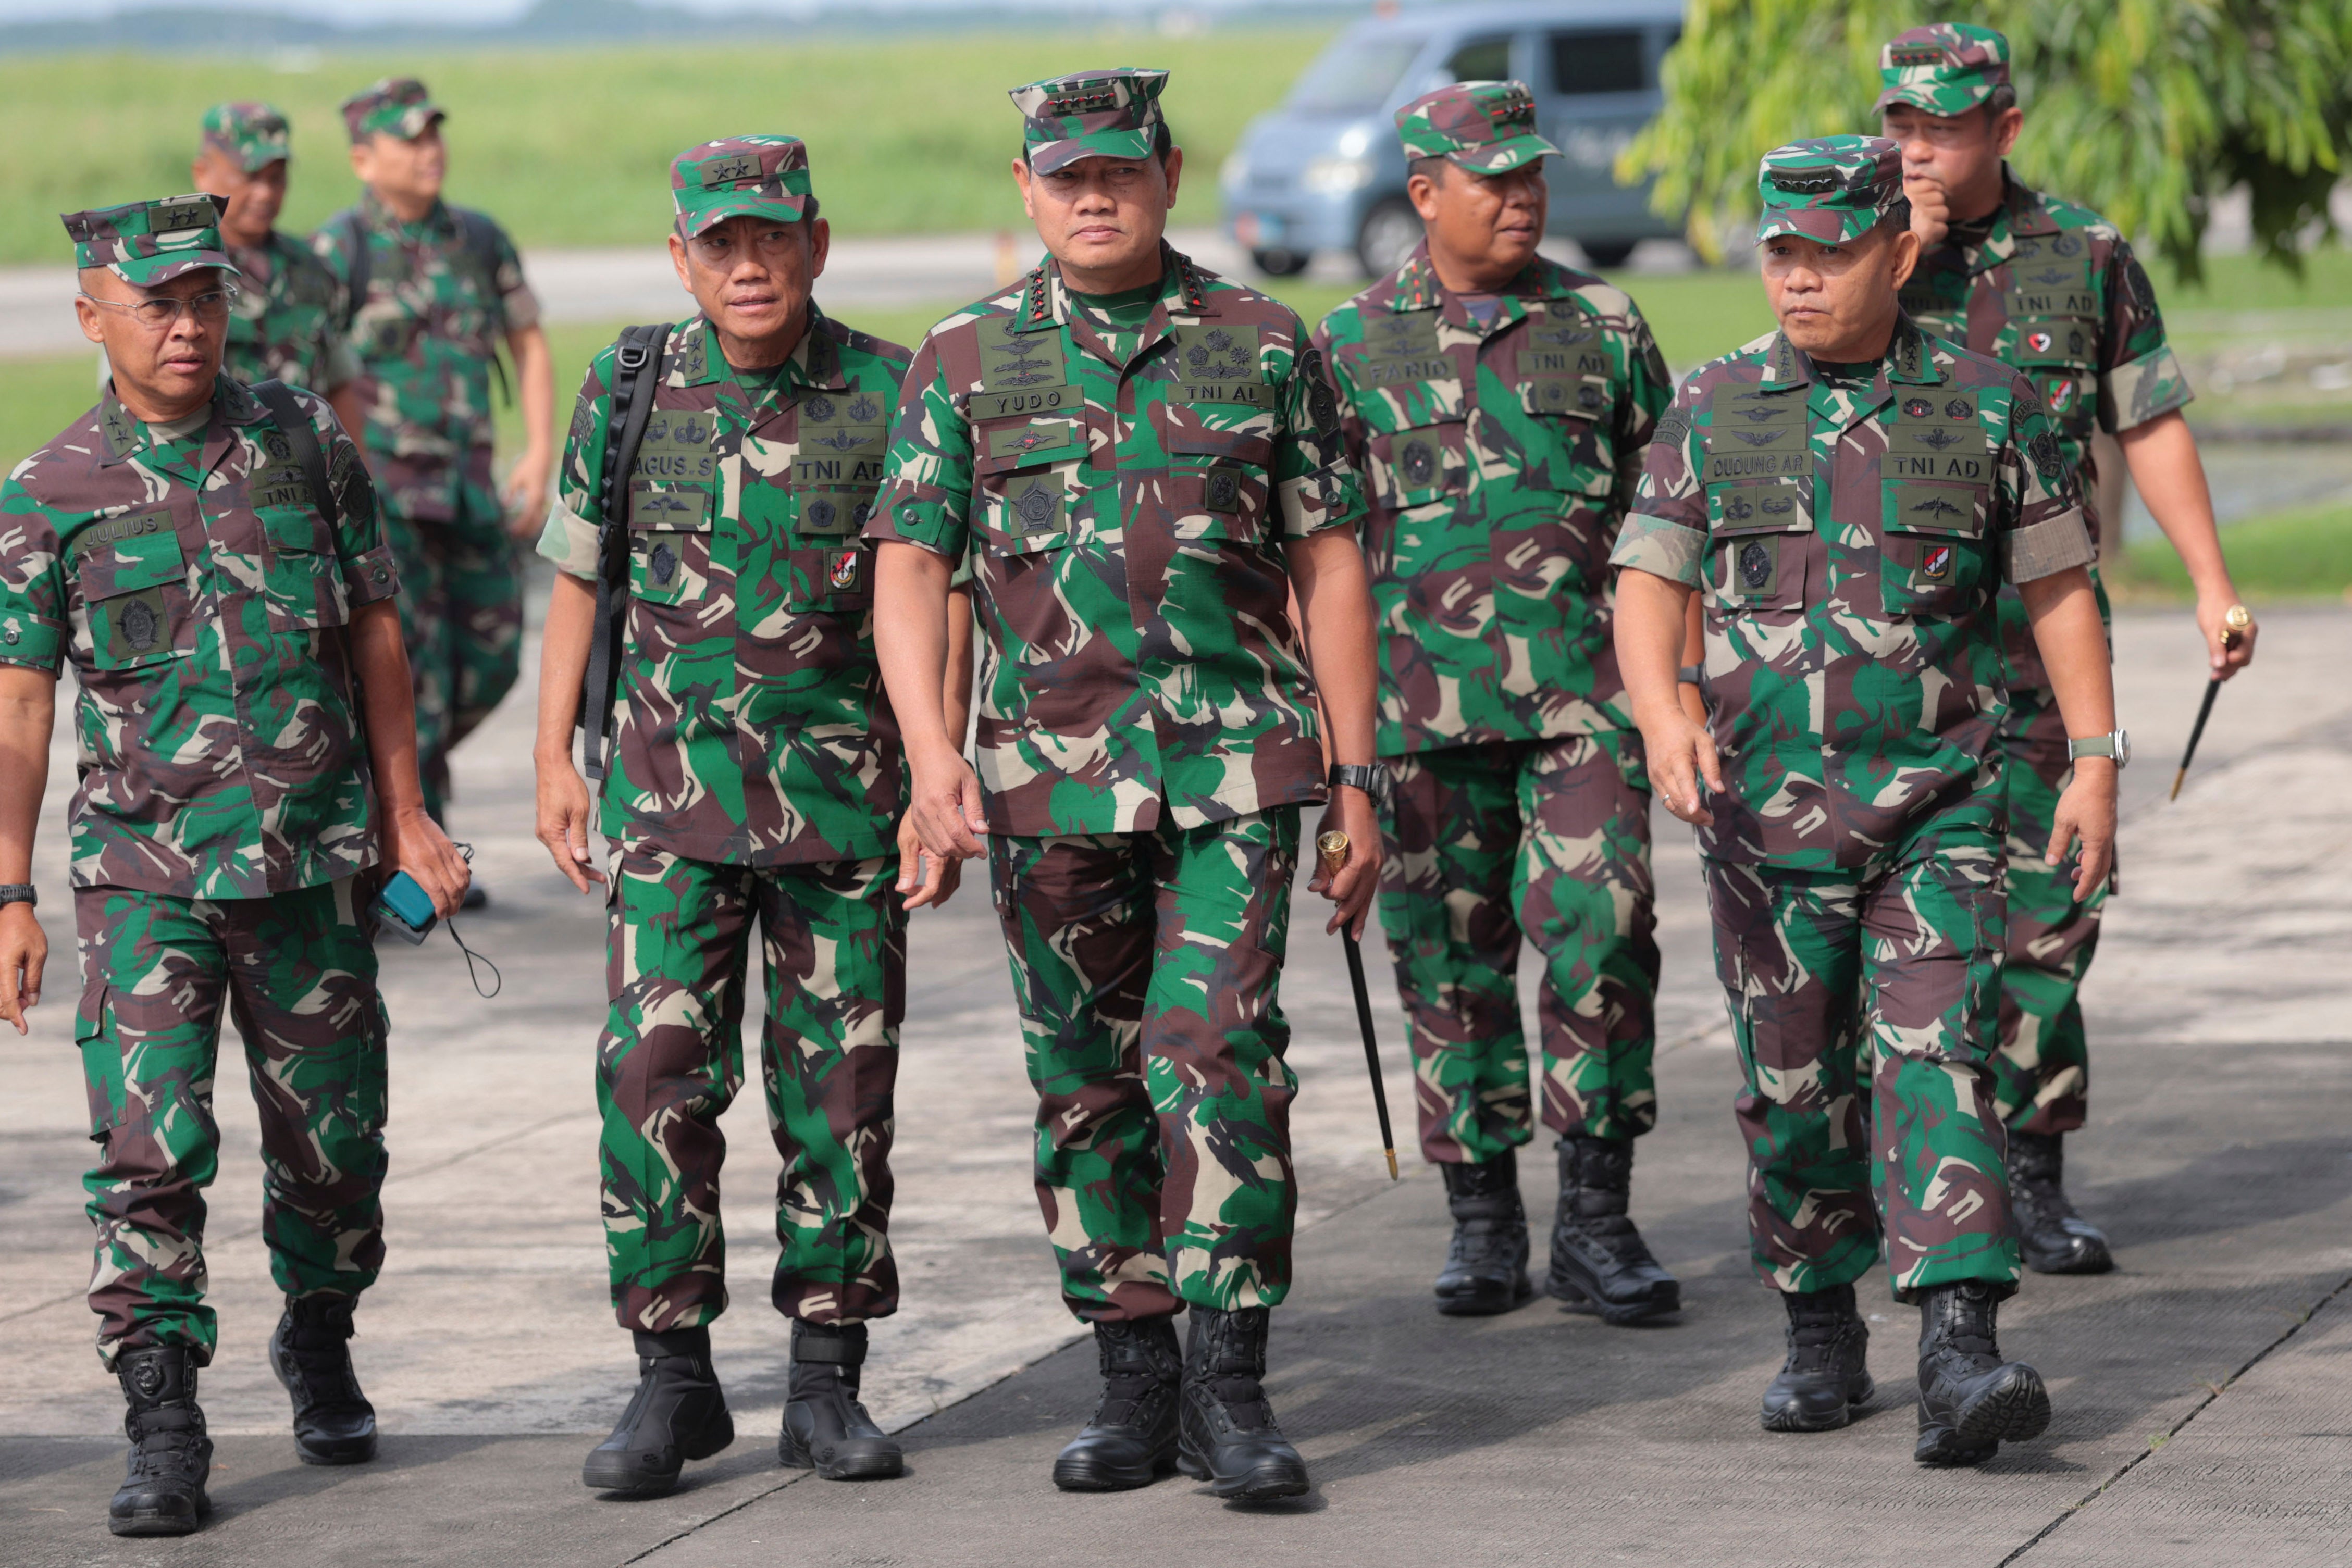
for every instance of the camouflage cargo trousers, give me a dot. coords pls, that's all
(832, 937)
(461, 617)
(1549, 839)
(2042, 1073)
(1145, 967)
(1890, 973)
(297, 971)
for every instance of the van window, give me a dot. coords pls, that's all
(1481, 59)
(1596, 62)
(1353, 75)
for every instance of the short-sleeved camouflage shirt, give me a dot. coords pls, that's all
(751, 727)
(2053, 289)
(1502, 457)
(284, 328)
(1125, 515)
(425, 336)
(197, 590)
(1848, 538)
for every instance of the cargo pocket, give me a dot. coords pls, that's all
(669, 543)
(305, 578)
(1757, 532)
(101, 1060)
(137, 590)
(839, 579)
(1021, 502)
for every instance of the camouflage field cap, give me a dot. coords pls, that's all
(251, 135)
(1830, 188)
(1945, 67)
(1094, 114)
(397, 105)
(765, 176)
(147, 243)
(1487, 127)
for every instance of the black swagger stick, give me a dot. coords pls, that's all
(1333, 848)
(2235, 625)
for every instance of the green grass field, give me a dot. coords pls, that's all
(907, 135)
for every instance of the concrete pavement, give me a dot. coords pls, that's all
(2219, 1157)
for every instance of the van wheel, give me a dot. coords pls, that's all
(1608, 252)
(1389, 233)
(1280, 262)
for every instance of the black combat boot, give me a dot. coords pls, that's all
(311, 1354)
(1486, 1264)
(825, 1428)
(1599, 1263)
(1827, 1374)
(677, 1414)
(2054, 1239)
(163, 1491)
(1131, 1441)
(1228, 1435)
(1970, 1399)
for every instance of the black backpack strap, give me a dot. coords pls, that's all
(279, 399)
(637, 371)
(358, 264)
(478, 236)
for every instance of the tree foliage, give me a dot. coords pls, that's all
(2144, 110)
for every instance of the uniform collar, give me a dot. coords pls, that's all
(1907, 361)
(2022, 213)
(816, 362)
(1415, 285)
(1184, 294)
(127, 437)
(438, 223)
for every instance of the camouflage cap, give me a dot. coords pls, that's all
(1830, 188)
(1487, 127)
(1945, 67)
(1094, 114)
(765, 176)
(147, 243)
(396, 106)
(251, 135)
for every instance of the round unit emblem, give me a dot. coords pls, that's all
(1420, 463)
(1755, 564)
(1036, 506)
(662, 564)
(140, 626)
(820, 514)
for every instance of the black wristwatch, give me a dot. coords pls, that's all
(1370, 777)
(18, 893)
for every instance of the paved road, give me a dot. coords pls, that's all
(2220, 1158)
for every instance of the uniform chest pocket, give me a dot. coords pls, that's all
(304, 581)
(1759, 539)
(1936, 557)
(1024, 472)
(1219, 481)
(670, 540)
(136, 586)
(1416, 466)
(836, 580)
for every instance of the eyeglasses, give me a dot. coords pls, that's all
(161, 313)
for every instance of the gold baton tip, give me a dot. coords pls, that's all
(1333, 848)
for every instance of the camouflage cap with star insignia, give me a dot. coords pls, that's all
(396, 106)
(148, 243)
(251, 135)
(1945, 67)
(760, 176)
(1831, 189)
(1487, 127)
(1093, 114)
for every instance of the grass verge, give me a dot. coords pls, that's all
(2304, 554)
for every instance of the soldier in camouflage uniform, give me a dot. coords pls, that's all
(2053, 289)
(283, 325)
(756, 776)
(1499, 403)
(442, 287)
(235, 805)
(1846, 496)
(1143, 460)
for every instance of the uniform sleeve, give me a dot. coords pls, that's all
(569, 540)
(1666, 530)
(34, 631)
(1354, 438)
(2040, 509)
(2140, 379)
(927, 477)
(1649, 392)
(518, 305)
(1316, 486)
(361, 551)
